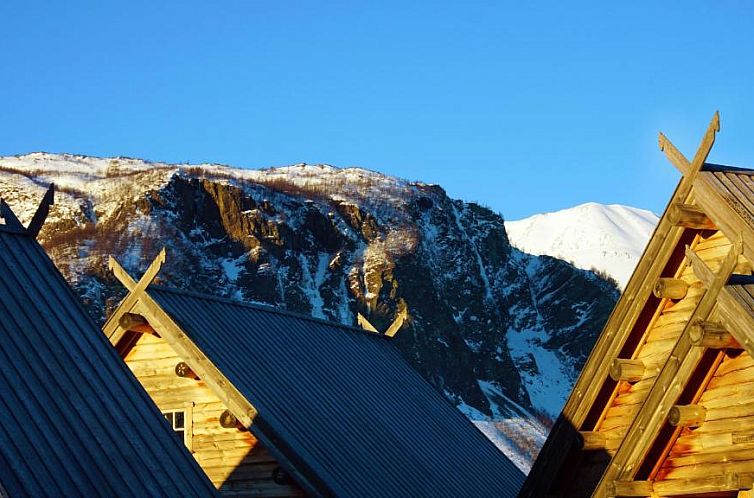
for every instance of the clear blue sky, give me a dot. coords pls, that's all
(523, 106)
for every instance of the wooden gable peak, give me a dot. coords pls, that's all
(391, 330)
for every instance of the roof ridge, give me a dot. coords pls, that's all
(264, 307)
(741, 280)
(720, 168)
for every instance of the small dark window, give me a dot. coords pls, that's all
(177, 421)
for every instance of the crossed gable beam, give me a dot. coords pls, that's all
(139, 302)
(393, 329)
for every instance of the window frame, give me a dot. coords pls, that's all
(187, 409)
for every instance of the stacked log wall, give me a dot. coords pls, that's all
(234, 460)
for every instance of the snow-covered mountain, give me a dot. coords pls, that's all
(503, 334)
(608, 238)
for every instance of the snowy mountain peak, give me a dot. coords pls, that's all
(608, 238)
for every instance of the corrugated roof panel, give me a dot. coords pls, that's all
(73, 419)
(343, 402)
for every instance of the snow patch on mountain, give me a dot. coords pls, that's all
(608, 238)
(503, 333)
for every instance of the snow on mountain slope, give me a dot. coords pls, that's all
(609, 238)
(503, 334)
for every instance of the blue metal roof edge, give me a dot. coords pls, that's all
(270, 309)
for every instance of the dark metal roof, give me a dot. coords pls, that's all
(341, 404)
(724, 168)
(74, 421)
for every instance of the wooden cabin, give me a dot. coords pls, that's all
(664, 405)
(278, 404)
(73, 419)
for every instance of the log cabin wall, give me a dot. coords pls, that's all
(654, 347)
(236, 463)
(664, 406)
(724, 441)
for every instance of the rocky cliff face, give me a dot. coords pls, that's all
(501, 333)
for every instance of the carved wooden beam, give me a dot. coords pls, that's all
(627, 370)
(688, 216)
(670, 288)
(591, 441)
(229, 421)
(135, 323)
(183, 370)
(712, 335)
(687, 415)
(675, 156)
(708, 140)
(146, 279)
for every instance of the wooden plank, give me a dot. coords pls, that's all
(730, 425)
(727, 469)
(736, 377)
(726, 482)
(737, 362)
(743, 452)
(726, 395)
(631, 488)
(697, 442)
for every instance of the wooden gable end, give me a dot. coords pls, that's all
(234, 460)
(678, 337)
(180, 379)
(583, 441)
